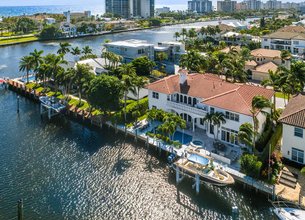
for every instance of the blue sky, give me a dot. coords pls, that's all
(85, 2)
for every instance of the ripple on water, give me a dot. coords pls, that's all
(64, 170)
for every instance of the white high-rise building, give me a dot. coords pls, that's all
(253, 4)
(200, 6)
(131, 8)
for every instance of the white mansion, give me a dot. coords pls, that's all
(192, 96)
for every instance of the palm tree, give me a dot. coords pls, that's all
(26, 64)
(55, 63)
(128, 73)
(75, 51)
(183, 33)
(37, 59)
(161, 56)
(192, 33)
(87, 50)
(259, 103)
(64, 48)
(274, 81)
(193, 61)
(176, 35)
(81, 75)
(218, 119)
(245, 134)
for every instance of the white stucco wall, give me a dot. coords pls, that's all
(290, 141)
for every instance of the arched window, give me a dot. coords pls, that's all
(181, 98)
(194, 101)
(189, 101)
(185, 99)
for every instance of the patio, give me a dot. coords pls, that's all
(225, 150)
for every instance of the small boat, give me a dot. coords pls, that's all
(288, 211)
(203, 166)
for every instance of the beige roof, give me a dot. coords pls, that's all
(213, 90)
(228, 49)
(294, 113)
(251, 63)
(291, 28)
(264, 68)
(286, 35)
(266, 53)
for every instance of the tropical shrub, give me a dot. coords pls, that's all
(250, 165)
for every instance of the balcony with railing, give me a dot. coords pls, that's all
(281, 42)
(196, 109)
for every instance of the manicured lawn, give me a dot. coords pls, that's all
(280, 95)
(17, 40)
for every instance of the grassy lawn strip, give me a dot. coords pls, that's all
(17, 40)
(280, 95)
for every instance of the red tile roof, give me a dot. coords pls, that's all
(213, 90)
(294, 113)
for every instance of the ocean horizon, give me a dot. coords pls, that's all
(7, 11)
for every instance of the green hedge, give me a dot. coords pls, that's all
(263, 139)
(273, 141)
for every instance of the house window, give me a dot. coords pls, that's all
(181, 98)
(212, 110)
(265, 39)
(298, 132)
(229, 135)
(296, 42)
(232, 116)
(297, 155)
(155, 95)
(211, 129)
(185, 99)
(189, 101)
(201, 121)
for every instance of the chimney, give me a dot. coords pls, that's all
(183, 76)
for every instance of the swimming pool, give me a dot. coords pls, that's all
(31, 79)
(182, 138)
(198, 159)
(197, 143)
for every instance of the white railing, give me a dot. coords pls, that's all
(186, 108)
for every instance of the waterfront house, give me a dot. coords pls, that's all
(265, 60)
(293, 120)
(173, 49)
(97, 65)
(192, 96)
(131, 49)
(235, 38)
(223, 28)
(291, 38)
(50, 21)
(68, 29)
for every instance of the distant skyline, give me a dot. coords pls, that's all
(96, 2)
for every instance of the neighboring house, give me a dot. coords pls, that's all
(50, 21)
(68, 29)
(224, 28)
(192, 96)
(263, 61)
(131, 49)
(291, 38)
(235, 38)
(293, 120)
(173, 49)
(120, 25)
(97, 65)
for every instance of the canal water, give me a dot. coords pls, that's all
(64, 170)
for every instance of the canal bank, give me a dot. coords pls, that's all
(86, 118)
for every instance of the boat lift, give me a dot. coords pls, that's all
(51, 105)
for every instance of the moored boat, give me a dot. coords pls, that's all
(288, 211)
(203, 166)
